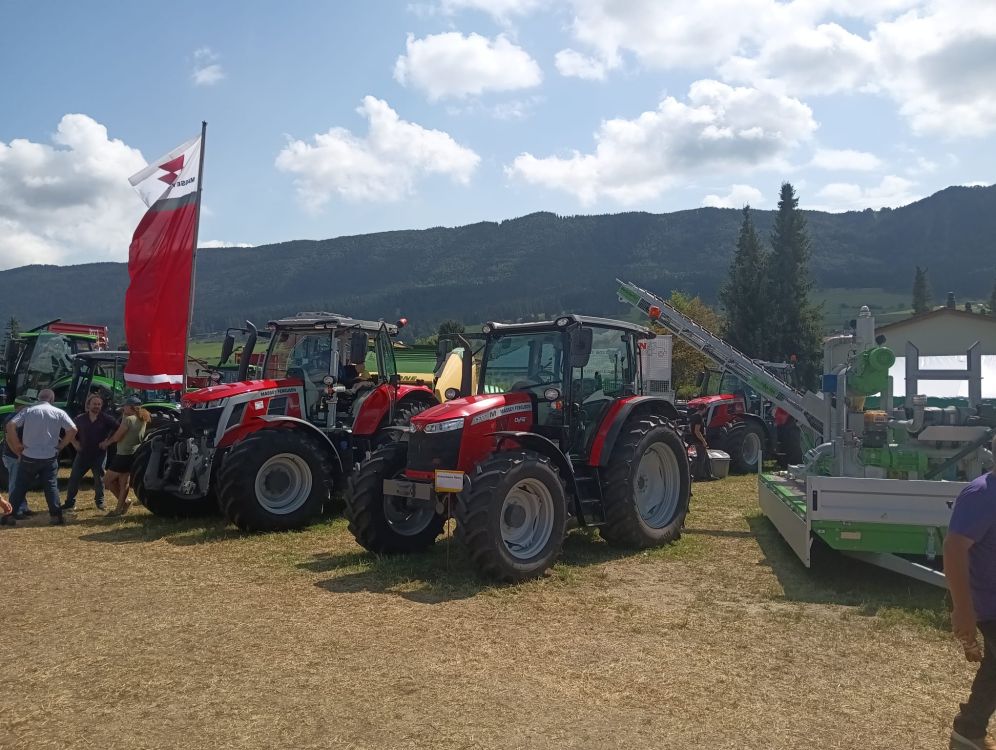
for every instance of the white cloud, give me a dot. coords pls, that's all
(573, 64)
(891, 192)
(207, 69)
(382, 166)
(845, 160)
(69, 202)
(454, 65)
(222, 243)
(719, 128)
(738, 197)
(501, 10)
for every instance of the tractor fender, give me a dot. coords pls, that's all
(619, 412)
(548, 448)
(277, 420)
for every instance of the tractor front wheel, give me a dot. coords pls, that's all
(161, 502)
(274, 480)
(385, 523)
(512, 522)
(646, 486)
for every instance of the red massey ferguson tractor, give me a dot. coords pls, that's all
(269, 451)
(559, 433)
(740, 422)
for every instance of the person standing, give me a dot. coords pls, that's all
(127, 437)
(93, 427)
(970, 568)
(10, 463)
(46, 430)
(703, 467)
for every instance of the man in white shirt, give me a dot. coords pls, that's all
(46, 430)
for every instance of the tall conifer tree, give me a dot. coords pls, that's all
(921, 292)
(744, 293)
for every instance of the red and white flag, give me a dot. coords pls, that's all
(161, 267)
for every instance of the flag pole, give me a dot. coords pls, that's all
(193, 259)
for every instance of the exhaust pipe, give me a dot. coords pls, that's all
(247, 349)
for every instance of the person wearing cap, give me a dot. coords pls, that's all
(93, 427)
(126, 437)
(45, 431)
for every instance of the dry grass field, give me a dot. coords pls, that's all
(141, 633)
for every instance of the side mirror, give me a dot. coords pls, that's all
(358, 343)
(700, 379)
(581, 339)
(227, 347)
(394, 380)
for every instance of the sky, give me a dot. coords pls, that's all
(336, 118)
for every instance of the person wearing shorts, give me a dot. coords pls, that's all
(127, 437)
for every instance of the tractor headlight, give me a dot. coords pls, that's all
(448, 426)
(451, 393)
(213, 404)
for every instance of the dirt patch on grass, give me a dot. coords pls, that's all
(144, 633)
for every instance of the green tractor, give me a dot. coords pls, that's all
(100, 372)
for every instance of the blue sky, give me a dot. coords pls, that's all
(332, 118)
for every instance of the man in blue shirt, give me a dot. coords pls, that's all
(970, 567)
(46, 430)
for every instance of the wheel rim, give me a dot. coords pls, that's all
(751, 449)
(657, 487)
(405, 519)
(527, 518)
(283, 483)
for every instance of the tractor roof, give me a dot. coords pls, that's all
(328, 320)
(102, 356)
(641, 331)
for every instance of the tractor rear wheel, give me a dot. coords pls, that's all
(385, 523)
(646, 485)
(513, 520)
(274, 480)
(744, 441)
(161, 502)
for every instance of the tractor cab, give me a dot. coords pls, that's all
(102, 373)
(327, 356)
(41, 359)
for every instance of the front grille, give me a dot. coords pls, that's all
(434, 451)
(195, 421)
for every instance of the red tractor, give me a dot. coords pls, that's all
(558, 434)
(269, 451)
(742, 423)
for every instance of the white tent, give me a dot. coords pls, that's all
(945, 388)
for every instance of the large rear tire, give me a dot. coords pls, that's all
(161, 502)
(275, 480)
(383, 523)
(513, 520)
(646, 486)
(745, 442)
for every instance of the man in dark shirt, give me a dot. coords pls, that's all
(970, 568)
(93, 427)
(703, 467)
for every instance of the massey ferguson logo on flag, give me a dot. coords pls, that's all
(161, 267)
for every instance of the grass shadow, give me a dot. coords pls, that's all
(837, 579)
(149, 528)
(445, 573)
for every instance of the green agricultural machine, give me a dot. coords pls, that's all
(874, 484)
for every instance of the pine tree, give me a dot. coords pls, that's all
(921, 292)
(793, 321)
(992, 301)
(744, 295)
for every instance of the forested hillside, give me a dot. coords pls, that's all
(536, 264)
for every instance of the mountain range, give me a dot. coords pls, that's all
(539, 264)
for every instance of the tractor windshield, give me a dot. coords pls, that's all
(46, 360)
(523, 362)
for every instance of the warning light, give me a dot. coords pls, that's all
(655, 312)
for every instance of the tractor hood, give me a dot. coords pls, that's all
(225, 390)
(470, 406)
(720, 398)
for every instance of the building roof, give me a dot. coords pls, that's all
(936, 313)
